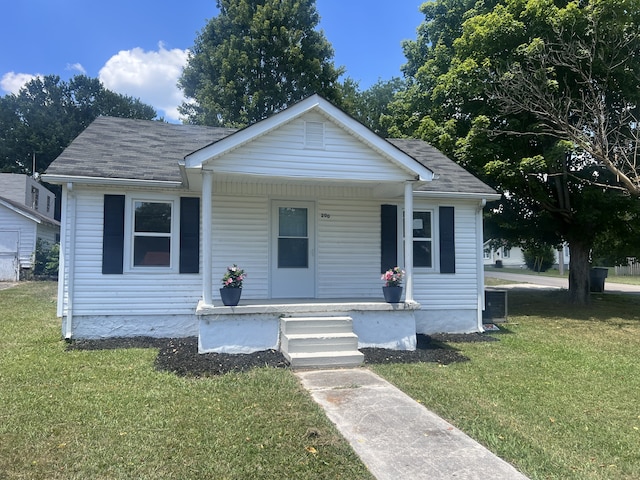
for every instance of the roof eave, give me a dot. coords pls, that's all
(489, 197)
(118, 182)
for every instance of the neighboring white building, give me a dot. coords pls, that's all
(309, 202)
(513, 257)
(26, 215)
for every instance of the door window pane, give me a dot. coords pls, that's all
(293, 241)
(293, 253)
(293, 222)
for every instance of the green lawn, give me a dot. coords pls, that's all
(109, 415)
(558, 396)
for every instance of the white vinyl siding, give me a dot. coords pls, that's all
(283, 153)
(435, 291)
(241, 236)
(132, 293)
(349, 249)
(347, 258)
(13, 221)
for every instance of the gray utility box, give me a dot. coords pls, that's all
(495, 306)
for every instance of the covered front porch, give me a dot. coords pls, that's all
(320, 324)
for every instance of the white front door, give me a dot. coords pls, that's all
(293, 250)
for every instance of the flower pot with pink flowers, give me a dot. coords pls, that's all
(232, 285)
(392, 289)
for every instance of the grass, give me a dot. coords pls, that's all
(557, 396)
(110, 414)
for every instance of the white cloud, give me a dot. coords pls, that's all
(12, 82)
(151, 76)
(77, 67)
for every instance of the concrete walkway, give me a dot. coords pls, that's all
(394, 435)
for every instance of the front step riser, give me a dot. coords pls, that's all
(311, 345)
(315, 326)
(316, 342)
(312, 363)
(328, 361)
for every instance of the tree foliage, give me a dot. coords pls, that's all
(254, 59)
(47, 114)
(371, 106)
(475, 74)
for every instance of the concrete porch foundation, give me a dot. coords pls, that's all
(254, 325)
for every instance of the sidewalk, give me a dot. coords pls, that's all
(395, 436)
(545, 282)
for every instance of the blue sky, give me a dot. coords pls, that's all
(138, 47)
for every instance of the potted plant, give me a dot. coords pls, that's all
(392, 289)
(232, 285)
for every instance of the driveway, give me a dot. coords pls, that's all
(541, 281)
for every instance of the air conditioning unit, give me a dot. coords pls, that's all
(495, 306)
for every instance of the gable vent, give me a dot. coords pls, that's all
(314, 135)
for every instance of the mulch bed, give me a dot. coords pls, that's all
(180, 355)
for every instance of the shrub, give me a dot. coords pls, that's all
(539, 258)
(46, 259)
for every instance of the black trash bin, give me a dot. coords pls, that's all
(597, 276)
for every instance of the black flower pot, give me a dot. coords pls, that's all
(230, 296)
(392, 294)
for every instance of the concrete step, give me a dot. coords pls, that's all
(325, 359)
(320, 342)
(295, 325)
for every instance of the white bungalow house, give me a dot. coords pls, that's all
(309, 202)
(26, 215)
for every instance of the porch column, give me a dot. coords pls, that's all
(207, 260)
(408, 240)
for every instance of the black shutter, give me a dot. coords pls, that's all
(389, 237)
(113, 234)
(189, 235)
(447, 240)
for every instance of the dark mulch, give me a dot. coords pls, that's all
(180, 355)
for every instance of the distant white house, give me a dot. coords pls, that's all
(513, 257)
(26, 215)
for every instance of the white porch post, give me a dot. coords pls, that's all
(408, 240)
(207, 252)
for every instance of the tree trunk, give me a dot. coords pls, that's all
(579, 274)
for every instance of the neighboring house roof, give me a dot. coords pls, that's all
(28, 212)
(143, 150)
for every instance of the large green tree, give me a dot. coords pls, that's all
(464, 98)
(254, 59)
(47, 114)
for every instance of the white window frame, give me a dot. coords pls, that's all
(129, 234)
(434, 239)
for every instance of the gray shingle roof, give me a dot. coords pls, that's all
(147, 150)
(451, 177)
(133, 149)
